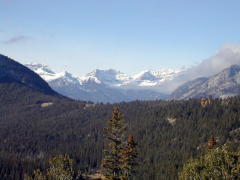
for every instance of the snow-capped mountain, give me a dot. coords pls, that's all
(155, 78)
(145, 79)
(107, 85)
(109, 77)
(48, 75)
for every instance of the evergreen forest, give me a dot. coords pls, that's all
(35, 127)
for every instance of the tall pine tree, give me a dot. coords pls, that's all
(112, 164)
(120, 153)
(129, 156)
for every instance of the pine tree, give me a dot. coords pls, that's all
(217, 163)
(61, 168)
(112, 163)
(129, 157)
(120, 154)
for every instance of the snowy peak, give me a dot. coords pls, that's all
(50, 76)
(108, 83)
(41, 68)
(162, 74)
(66, 77)
(145, 75)
(155, 78)
(113, 78)
(109, 77)
(89, 79)
(166, 74)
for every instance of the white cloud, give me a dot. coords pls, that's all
(228, 55)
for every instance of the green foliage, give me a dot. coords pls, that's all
(61, 168)
(219, 163)
(30, 135)
(120, 155)
(112, 165)
(38, 175)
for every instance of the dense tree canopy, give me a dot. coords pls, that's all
(219, 163)
(168, 132)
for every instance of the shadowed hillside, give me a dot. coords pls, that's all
(12, 71)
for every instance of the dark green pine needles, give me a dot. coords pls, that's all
(119, 155)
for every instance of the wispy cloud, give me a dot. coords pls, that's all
(17, 39)
(228, 55)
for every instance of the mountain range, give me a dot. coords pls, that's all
(107, 85)
(114, 86)
(217, 77)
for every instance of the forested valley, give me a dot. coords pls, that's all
(35, 127)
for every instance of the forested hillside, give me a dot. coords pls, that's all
(12, 71)
(35, 127)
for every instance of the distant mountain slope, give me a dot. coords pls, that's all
(222, 85)
(107, 85)
(12, 71)
(226, 56)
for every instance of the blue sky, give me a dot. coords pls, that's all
(128, 35)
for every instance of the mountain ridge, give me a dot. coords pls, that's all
(14, 72)
(106, 85)
(224, 84)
